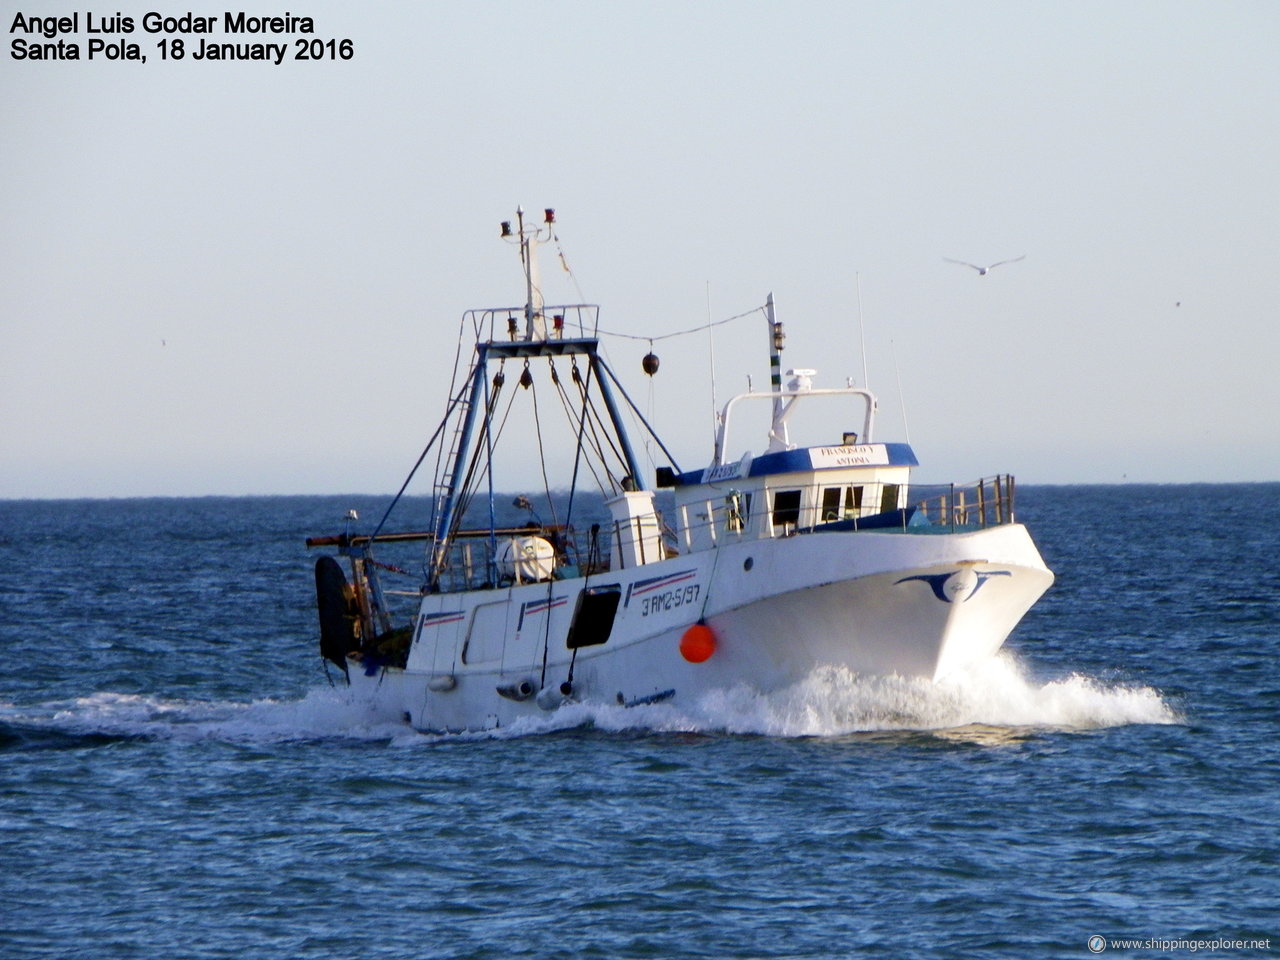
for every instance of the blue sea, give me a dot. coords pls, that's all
(180, 779)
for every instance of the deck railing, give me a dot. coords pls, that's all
(984, 503)
(732, 516)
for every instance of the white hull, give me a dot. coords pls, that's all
(914, 604)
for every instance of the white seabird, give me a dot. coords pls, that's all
(983, 271)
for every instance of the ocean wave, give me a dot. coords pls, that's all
(322, 714)
(990, 702)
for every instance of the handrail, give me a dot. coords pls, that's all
(983, 503)
(868, 417)
(485, 322)
(742, 517)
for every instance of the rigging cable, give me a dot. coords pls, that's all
(701, 328)
(592, 438)
(425, 450)
(636, 410)
(542, 453)
(472, 482)
(565, 266)
(577, 453)
(571, 417)
(597, 421)
(462, 390)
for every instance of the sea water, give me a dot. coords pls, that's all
(179, 778)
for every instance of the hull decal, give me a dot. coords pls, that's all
(958, 586)
(651, 698)
(531, 607)
(641, 587)
(439, 619)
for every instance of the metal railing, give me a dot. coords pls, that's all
(988, 502)
(472, 563)
(733, 516)
(564, 321)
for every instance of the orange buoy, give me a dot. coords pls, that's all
(698, 643)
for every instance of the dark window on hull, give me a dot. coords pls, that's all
(593, 619)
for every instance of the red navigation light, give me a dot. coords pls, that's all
(550, 215)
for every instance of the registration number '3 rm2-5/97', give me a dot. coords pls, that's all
(670, 599)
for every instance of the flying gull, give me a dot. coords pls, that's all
(983, 271)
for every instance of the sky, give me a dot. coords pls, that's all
(245, 278)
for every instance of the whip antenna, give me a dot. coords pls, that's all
(862, 336)
(711, 342)
(902, 403)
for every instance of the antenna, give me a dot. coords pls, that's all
(528, 238)
(902, 403)
(862, 336)
(711, 342)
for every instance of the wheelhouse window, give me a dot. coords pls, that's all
(889, 497)
(831, 498)
(786, 507)
(737, 511)
(840, 503)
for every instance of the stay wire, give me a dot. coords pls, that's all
(574, 424)
(425, 450)
(472, 482)
(597, 428)
(701, 328)
(542, 453)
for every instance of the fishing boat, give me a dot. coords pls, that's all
(749, 571)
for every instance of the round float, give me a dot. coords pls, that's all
(698, 643)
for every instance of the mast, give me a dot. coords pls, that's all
(778, 439)
(537, 341)
(777, 427)
(535, 321)
(776, 338)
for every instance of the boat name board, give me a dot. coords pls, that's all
(728, 471)
(860, 455)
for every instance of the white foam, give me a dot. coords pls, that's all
(324, 713)
(989, 702)
(996, 694)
